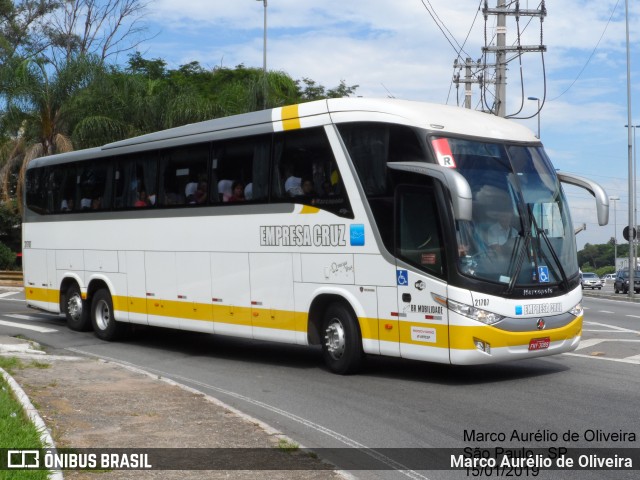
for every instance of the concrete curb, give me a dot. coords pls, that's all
(34, 416)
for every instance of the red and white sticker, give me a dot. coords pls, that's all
(423, 334)
(443, 152)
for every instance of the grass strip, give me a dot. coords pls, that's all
(16, 430)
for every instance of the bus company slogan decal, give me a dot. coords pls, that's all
(310, 235)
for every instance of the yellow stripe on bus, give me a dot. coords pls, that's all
(290, 117)
(42, 294)
(307, 209)
(459, 337)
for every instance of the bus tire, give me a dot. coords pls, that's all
(104, 324)
(341, 340)
(76, 310)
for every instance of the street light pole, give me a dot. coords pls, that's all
(632, 186)
(635, 208)
(538, 114)
(264, 58)
(615, 232)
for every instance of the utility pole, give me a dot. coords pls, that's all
(471, 76)
(501, 64)
(502, 11)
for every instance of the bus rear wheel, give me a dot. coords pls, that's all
(341, 342)
(76, 310)
(104, 324)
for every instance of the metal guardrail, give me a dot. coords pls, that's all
(13, 277)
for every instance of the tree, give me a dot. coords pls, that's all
(37, 115)
(23, 27)
(101, 28)
(309, 90)
(10, 227)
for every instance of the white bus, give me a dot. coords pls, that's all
(378, 227)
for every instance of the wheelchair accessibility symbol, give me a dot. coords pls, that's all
(543, 274)
(402, 277)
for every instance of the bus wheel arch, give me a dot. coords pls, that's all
(73, 306)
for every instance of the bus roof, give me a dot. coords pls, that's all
(442, 118)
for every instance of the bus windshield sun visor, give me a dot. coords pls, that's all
(456, 184)
(602, 200)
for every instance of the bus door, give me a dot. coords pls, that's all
(423, 321)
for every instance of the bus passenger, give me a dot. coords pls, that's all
(308, 190)
(66, 205)
(200, 196)
(143, 200)
(237, 192)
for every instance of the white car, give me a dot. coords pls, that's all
(591, 280)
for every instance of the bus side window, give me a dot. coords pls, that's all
(36, 187)
(183, 175)
(243, 162)
(92, 186)
(305, 171)
(135, 181)
(64, 198)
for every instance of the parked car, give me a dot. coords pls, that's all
(591, 280)
(621, 283)
(609, 277)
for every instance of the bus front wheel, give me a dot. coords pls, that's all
(76, 310)
(104, 324)
(341, 342)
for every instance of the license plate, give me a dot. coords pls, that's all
(539, 343)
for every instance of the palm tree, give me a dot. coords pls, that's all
(36, 117)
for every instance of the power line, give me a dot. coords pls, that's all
(592, 53)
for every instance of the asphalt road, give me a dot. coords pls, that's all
(593, 392)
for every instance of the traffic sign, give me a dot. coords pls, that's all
(625, 233)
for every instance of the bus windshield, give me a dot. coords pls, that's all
(521, 232)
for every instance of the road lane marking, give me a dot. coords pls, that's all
(27, 327)
(6, 294)
(631, 360)
(613, 327)
(589, 343)
(633, 316)
(17, 316)
(605, 311)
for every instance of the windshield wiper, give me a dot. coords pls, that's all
(528, 238)
(554, 255)
(520, 259)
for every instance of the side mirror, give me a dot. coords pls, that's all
(602, 200)
(452, 180)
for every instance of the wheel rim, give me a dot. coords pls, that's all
(335, 339)
(103, 315)
(74, 307)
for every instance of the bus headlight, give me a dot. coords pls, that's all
(474, 313)
(577, 310)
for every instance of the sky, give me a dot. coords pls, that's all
(406, 49)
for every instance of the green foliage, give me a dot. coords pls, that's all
(10, 225)
(7, 257)
(145, 97)
(17, 431)
(594, 258)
